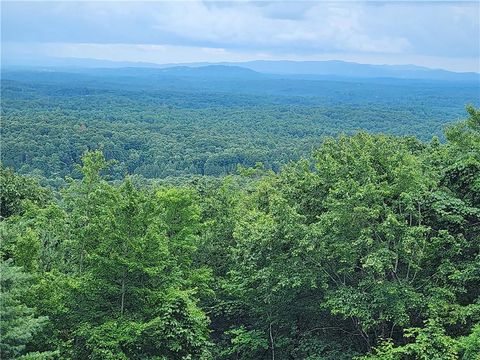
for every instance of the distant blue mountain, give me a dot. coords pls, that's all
(298, 69)
(350, 69)
(210, 70)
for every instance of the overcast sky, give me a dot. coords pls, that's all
(437, 34)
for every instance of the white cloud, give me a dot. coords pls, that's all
(302, 29)
(325, 26)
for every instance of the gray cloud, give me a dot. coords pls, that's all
(448, 29)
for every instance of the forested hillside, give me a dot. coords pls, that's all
(369, 248)
(177, 122)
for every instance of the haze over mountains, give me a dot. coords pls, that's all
(304, 69)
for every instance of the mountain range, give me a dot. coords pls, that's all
(285, 68)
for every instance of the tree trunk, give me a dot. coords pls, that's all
(272, 343)
(122, 305)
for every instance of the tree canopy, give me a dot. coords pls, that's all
(368, 249)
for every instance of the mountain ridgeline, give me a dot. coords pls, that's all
(333, 68)
(175, 122)
(200, 185)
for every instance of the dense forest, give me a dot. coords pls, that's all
(181, 123)
(367, 248)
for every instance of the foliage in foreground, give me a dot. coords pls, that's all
(368, 250)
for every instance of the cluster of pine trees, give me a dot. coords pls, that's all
(370, 249)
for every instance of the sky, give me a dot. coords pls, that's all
(436, 34)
